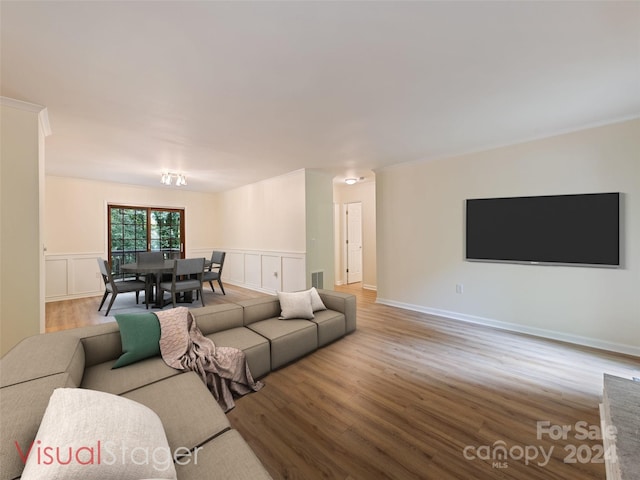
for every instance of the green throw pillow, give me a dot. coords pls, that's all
(140, 335)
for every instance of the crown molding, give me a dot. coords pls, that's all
(21, 105)
(43, 114)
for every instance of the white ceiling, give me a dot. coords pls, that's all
(230, 93)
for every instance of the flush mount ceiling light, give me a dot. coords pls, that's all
(168, 177)
(352, 181)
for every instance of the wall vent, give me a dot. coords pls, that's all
(317, 279)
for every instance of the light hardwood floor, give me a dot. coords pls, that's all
(408, 394)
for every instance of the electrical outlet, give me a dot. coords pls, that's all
(459, 288)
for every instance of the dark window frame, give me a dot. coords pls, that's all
(127, 255)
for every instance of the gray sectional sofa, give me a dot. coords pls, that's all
(191, 418)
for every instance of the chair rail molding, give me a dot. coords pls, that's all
(70, 276)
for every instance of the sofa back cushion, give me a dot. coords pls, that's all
(262, 308)
(217, 318)
(41, 356)
(101, 343)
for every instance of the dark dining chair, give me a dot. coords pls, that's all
(186, 277)
(150, 258)
(214, 272)
(114, 287)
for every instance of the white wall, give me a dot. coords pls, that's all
(365, 193)
(319, 227)
(76, 228)
(277, 231)
(21, 255)
(262, 227)
(264, 216)
(421, 239)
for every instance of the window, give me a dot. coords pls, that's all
(140, 229)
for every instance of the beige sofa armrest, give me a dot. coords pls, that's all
(344, 303)
(41, 356)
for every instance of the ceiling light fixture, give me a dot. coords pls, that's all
(350, 181)
(167, 179)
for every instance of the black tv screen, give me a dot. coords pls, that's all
(556, 229)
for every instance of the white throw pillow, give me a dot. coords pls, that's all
(295, 305)
(87, 435)
(316, 301)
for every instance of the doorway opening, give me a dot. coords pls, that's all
(355, 232)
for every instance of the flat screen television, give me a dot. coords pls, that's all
(553, 229)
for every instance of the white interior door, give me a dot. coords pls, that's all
(354, 242)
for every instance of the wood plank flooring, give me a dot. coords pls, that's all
(413, 396)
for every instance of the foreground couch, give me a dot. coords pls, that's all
(199, 437)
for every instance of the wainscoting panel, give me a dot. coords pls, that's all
(271, 273)
(84, 273)
(234, 268)
(255, 270)
(56, 277)
(252, 270)
(69, 276)
(293, 273)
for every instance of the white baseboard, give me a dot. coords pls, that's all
(514, 327)
(364, 285)
(74, 296)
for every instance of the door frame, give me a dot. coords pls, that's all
(345, 246)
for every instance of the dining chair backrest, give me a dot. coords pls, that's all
(104, 270)
(150, 258)
(218, 258)
(189, 266)
(115, 287)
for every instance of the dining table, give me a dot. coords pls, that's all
(155, 269)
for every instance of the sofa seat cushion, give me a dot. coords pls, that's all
(121, 380)
(331, 326)
(227, 457)
(188, 411)
(289, 339)
(22, 407)
(254, 346)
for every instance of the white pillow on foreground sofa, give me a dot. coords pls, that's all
(87, 435)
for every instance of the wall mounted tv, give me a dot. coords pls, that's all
(554, 229)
